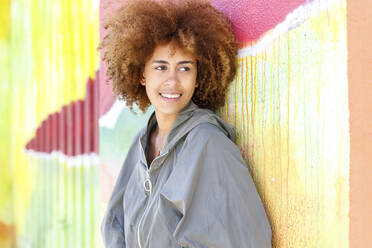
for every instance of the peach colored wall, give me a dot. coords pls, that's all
(359, 25)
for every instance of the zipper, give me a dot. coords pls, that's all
(147, 184)
(148, 189)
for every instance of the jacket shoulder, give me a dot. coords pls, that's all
(213, 142)
(209, 133)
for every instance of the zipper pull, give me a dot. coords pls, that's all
(147, 183)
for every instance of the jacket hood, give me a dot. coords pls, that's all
(189, 117)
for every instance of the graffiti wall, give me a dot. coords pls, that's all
(289, 103)
(49, 130)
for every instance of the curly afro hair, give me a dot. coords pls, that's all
(135, 30)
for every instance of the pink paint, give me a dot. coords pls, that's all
(106, 98)
(252, 18)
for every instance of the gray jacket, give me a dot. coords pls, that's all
(198, 193)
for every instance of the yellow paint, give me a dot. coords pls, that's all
(289, 105)
(64, 48)
(4, 19)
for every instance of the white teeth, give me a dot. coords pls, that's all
(170, 95)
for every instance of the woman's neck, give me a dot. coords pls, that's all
(159, 135)
(165, 124)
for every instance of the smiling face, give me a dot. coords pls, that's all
(170, 79)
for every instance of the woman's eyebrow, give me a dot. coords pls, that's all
(185, 62)
(166, 62)
(160, 62)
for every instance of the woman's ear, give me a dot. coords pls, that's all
(196, 85)
(142, 80)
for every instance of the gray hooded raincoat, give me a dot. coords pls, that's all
(198, 193)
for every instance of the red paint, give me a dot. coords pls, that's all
(73, 130)
(252, 18)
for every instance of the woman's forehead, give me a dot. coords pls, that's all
(171, 51)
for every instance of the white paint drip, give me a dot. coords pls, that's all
(109, 119)
(292, 20)
(89, 159)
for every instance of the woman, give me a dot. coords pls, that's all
(184, 182)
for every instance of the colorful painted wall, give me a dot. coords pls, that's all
(293, 102)
(49, 123)
(289, 103)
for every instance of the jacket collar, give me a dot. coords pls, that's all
(183, 116)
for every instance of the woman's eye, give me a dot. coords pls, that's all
(185, 68)
(161, 67)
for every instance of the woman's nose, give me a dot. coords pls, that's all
(172, 77)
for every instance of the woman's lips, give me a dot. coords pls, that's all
(170, 96)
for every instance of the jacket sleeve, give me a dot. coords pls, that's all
(112, 226)
(212, 189)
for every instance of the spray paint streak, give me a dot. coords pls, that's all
(279, 129)
(254, 110)
(272, 107)
(246, 103)
(252, 104)
(263, 72)
(243, 104)
(288, 119)
(262, 125)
